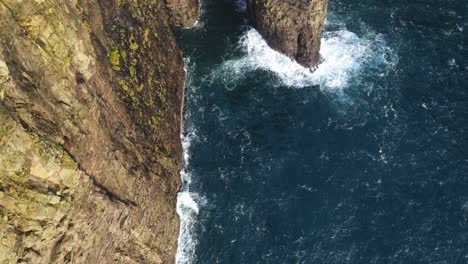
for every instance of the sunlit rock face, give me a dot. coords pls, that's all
(90, 111)
(292, 27)
(183, 13)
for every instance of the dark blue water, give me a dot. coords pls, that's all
(363, 161)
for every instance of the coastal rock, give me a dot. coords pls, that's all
(183, 13)
(292, 27)
(90, 111)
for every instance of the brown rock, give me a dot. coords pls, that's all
(292, 27)
(183, 13)
(90, 112)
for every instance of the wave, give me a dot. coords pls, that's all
(344, 54)
(187, 206)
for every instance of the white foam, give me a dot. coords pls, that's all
(344, 54)
(187, 206)
(186, 202)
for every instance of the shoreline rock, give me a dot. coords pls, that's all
(183, 13)
(91, 94)
(293, 27)
(90, 111)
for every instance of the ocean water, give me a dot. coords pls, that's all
(363, 161)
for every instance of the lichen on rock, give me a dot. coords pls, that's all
(90, 153)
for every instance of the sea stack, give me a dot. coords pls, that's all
(293, 27)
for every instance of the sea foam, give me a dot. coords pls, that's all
(187, 206)
(344, 54)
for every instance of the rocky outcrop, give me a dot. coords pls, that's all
(183, 13)
(292, 27)
(90, 153)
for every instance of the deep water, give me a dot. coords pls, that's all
(363, 161)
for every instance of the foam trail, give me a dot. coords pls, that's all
(187, 207)
(344, 55)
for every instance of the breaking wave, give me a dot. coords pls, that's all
(187, 206)
(344, 54)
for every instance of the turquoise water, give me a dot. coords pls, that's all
(363, 161)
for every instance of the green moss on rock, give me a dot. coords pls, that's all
(114, 58)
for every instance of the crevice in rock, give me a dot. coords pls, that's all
(80, 79)
(111, 195)
(56, 249)
(102, 189)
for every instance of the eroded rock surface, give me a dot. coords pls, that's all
(183, 13)
(90, 112)
(292, 27)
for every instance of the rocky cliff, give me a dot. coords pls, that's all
(90, 112)
(292, 27)
(91, 93)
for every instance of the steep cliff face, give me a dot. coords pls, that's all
(292, 27)
(90, 112)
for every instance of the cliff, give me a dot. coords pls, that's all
(91, 93)
(292, 27)
(90, 111)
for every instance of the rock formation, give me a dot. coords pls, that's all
(183, 13)
(90, 112)
(91, 93)
(292, 27)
